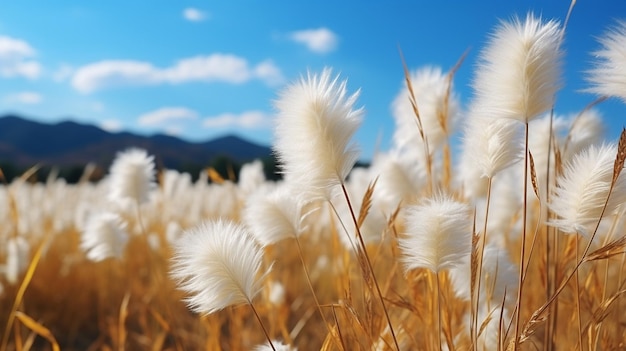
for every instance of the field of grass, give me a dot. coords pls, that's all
(516, 242)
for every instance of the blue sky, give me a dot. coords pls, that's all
(201, 69)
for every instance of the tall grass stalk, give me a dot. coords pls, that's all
(370, 268)
(479, 265)
(620, 158)
(523, 243)
(310, 284)
(577, 303)
(22, 290)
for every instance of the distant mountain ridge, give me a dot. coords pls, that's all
(24, 143)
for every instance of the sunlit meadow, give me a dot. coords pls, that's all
(514, 242)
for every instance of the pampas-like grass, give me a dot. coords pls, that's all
(492, 145)
(520, 69)
(438, 116)
(608, 78)
(132, 176)
(583, 188)
(104, 236)
(17, 258)
(273, 217)
(218, 264)
(438, 234)
(316, 119)
(398, 179)
(133, 306)
(251, 177)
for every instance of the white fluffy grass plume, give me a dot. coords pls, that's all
(437, 234)
(132, 176)
(104, 236)
(17, 258)
(217, 263)
(520, 69)
(491, 145)
(316, 119)
(609, 76)
(430, 86)
(583, 188)
(273, 217)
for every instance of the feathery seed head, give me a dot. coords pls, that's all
(277, 293)
(398, 179)
(132, 176)
(104, 236)
(17, 258)
(609, 76)
(583, 188)
(438, 234)
(493, 145)
(273, 217)
(430, 87)
(520, 69)
(217, 263)
(316, 119)
(251, 177)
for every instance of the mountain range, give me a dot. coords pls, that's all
(24, 143)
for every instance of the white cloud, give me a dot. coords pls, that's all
(16, 59)
(111, 125)
(321, 40)
(210, 68)
(216, 67)
(247, 120)
(165, 114)
(194, 15)
(109, 73)
(24, 97)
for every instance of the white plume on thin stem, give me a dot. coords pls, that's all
(438, 234)
(217, 263)
(520, 69)
(17, 258)
(251, 177)
(609, 76)
(398, 179)
(273, 217)
(132, 176)
(492, 145)
(104, 236)
(316, 119)
(583, 188)
(430, 86)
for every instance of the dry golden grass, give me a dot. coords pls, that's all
(356, 297)
(132, 304)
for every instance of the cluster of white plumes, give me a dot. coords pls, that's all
(218, 231)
